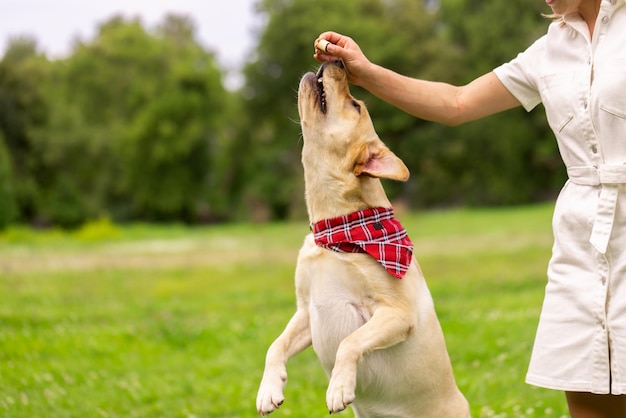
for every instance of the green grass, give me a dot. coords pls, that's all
(169, 321)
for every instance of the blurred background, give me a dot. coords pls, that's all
(183, 111)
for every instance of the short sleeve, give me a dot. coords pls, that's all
(520, 75)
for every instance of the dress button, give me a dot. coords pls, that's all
(605, 19)
(594, 149)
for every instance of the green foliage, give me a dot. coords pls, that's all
(491, 33)
(8, 207)
(128, 126)
(168, 150)
(505, 159)
(114, 75)
(168, 95)
(98, 230)
(23, 110)
(174, 321)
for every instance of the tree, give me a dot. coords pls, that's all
(142, 111)
(23, 111)
(168, 150)
(172, 144)
(8, 205)
(509, 158)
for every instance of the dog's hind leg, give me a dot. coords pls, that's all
(295, 338)
(387, 327)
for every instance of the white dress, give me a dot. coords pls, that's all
(581, 81)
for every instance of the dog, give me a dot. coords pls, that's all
(371, 322)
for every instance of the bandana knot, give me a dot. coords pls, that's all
(374, 231)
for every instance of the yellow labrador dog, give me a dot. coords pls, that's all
(362, 301)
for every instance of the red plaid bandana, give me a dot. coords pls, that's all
(373, 231)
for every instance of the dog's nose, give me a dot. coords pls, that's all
(337, 63)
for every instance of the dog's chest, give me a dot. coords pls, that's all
(338, 290)
(339, 299)
(333, 316)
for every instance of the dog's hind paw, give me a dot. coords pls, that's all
(339, 395)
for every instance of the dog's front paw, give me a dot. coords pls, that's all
(270, 395)
(340, 392)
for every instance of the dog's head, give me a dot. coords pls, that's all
(343, 157)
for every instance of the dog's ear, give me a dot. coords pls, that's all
(382, 163)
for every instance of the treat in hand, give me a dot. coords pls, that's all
(322, 45)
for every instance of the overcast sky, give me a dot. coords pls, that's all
(225, 27)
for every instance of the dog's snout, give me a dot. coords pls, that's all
(336, 63)
(324, 84)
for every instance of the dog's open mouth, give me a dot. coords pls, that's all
(321, 94)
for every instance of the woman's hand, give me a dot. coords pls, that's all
(344, 48)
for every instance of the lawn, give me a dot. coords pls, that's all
(171, 321)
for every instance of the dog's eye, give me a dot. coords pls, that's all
(356, 105)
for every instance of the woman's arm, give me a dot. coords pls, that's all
(434, 101)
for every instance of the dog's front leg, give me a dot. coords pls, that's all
(295, 338)
(387, 327)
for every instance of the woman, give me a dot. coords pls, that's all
(578, 71)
